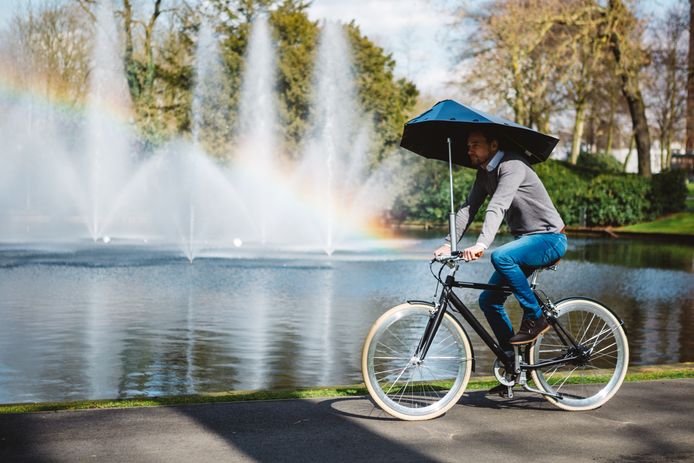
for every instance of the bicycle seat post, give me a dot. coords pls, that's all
(533, 278)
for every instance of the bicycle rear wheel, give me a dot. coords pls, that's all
(588, 382)
(405, 386)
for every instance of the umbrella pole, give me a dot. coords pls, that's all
(451, 218)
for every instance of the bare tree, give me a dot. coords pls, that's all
(140, 66)
(507, 58)
(668, 72)
(539, 55)
(584, 63)
(48, 48)
(624, 34)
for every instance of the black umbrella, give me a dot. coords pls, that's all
(428, 134)
(441, 133)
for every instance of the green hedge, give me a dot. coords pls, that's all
(567, 186)
(617, 200)
(589, 197)
(583, 195)
(669, 192)
(428, 197)
(599, 162)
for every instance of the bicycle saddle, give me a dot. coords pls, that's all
(550, 265)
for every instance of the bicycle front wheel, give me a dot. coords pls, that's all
(588, 382)
(405, 386)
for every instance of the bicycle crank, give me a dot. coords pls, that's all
(501, 375)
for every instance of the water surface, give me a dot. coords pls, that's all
(114, 321)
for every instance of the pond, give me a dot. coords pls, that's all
(123, 320)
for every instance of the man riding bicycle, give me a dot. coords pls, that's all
(518, 195)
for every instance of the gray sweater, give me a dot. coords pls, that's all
(516, 194)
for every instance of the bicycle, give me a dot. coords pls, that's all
(417, 357)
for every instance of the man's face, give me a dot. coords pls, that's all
(479, 149)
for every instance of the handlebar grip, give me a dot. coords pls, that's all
(445, 258)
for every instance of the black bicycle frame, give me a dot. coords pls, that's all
(449, 297)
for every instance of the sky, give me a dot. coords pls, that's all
(416, 32)
(412, 30)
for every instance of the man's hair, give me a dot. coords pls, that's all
(489, 135)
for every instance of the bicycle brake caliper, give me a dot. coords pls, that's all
(551, 308)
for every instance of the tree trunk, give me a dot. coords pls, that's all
(637, 110)
(543, 122)
(610, 123)
(628, 72)
(129, 62)
(149, 52)
(578, 132)
(631, 149)
(643, 139)
(690, 83)
(519, 108)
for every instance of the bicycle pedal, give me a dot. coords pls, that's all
(505, 392)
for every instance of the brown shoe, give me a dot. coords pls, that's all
(529, 330)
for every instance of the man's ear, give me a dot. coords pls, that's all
(494, 145)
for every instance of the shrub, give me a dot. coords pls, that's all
(582, 195)
(601, 163)
(669, 192)
(567, 186)
(428, 196)
(617, 200)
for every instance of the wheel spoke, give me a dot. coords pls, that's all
(416, 389)
(583, 386)
(388, 347)
(580, 330)
(595, 337)
(402, 343)
(396, 379)
(567, 377)
(384, 372)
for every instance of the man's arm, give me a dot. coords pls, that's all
(511, 175)
(467, 213)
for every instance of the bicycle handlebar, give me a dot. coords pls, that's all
(449, 258)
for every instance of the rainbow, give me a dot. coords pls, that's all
(361, 227)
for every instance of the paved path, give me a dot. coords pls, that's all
(648, 421)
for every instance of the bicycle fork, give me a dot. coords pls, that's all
(435, 319)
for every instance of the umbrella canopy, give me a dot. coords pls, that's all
(427, 133)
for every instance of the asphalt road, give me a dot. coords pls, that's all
(647, 421)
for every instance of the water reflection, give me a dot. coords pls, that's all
(119, 322)
(648, 253)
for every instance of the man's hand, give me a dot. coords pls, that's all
(473, 252)
(443, 250)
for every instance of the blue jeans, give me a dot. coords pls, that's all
(514, 262)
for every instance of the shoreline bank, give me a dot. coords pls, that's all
(635, 373)
(600, 232)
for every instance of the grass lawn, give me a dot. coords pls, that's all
(681, 223)
(636, 373)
